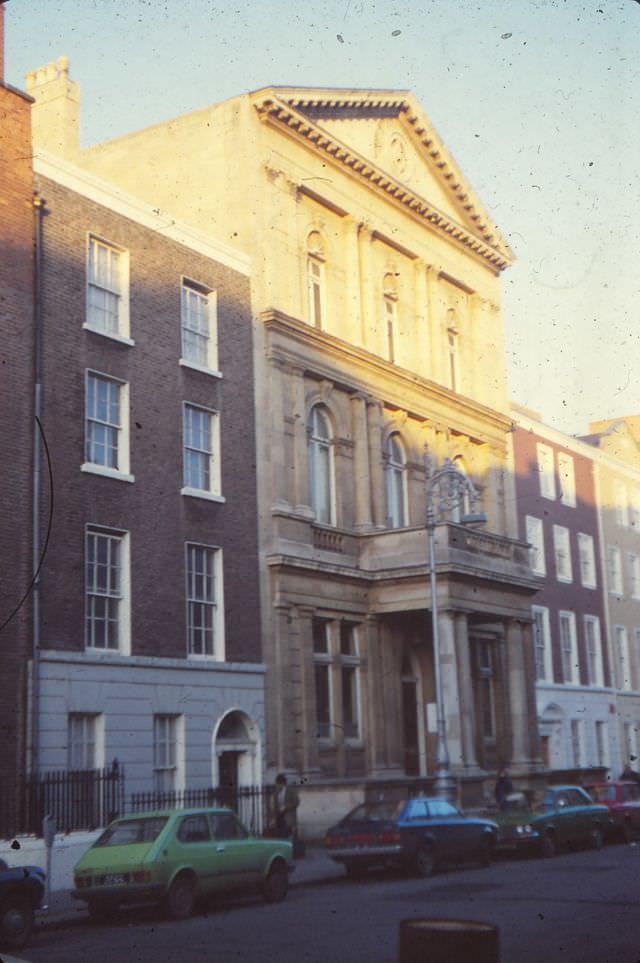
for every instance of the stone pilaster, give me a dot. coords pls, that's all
(376, 467)
(301, 455)
(517, 696)
(450, 686)
(467, 709)
(368, 286)
(361, 469)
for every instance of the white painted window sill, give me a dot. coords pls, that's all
(200, 367)
(92, 469)
(200, 493)
(120, 338)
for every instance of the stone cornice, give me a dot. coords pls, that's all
(486, 244)
(377, 372)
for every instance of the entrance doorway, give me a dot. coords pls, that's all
(410, 717)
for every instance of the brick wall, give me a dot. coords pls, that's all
(158, 518)
(16, 420)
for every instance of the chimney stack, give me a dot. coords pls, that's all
(55, 115)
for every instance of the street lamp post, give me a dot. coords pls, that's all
(448, 489)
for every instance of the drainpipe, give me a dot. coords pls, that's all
(34, 715)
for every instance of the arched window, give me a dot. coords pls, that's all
(390, 319)
(453, 349)
(396, 483)
(321, 476)
(316, 283)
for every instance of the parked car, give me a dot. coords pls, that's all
(174, 857)
(622, 799)
(21, 894)
(554, 817)
(415, 834)
(516, 831)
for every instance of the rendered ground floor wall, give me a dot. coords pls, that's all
(220, 707)
(601, 725)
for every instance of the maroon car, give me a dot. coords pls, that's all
(623, 800)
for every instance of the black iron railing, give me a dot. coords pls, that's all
(89, 799)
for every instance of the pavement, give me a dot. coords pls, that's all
(312, 868)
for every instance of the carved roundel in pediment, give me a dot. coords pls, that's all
(393, 151)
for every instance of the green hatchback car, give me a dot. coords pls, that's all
(174, 857)
(556, 817)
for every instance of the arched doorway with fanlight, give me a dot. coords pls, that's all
(237, 756)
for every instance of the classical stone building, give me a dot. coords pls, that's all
(379, 353)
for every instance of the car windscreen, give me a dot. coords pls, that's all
(128, 832)
(374, 812)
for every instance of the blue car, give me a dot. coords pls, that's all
(21, 894)
(414, 834)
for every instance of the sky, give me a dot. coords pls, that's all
(537, 100)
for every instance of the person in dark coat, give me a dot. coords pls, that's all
(502, 789)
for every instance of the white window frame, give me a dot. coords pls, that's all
(587, 559)
(316, 289)
(569, 653)
(634, 509)
(117, 597)
(535, 536)
(546, 471)
(621, 503)
(168, 752)
(201, 328)
(209, 454)
(567, 479)
(562, 551)
(614, 558)
(396, 476)
(322, 661)
(577, 742)
(390, 304)
(541, 631)
(593, 646)
(634, 574)
(623, 658)
(85, 735)
(601, 735)
(209, 605)
(121, 427)
(351, 662)
(118, 290)
(321, 446)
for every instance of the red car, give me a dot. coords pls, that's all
(623, 800)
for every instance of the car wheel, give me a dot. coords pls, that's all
(276, 884)
(595, 838)
(356, 870)
(16, 922)
(549, 845)
(424, 861)
(178, 903)
(102, 910)
(485, 852)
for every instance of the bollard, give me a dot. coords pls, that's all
(448, 941)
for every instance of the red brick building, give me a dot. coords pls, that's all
(17, 421)
(149, 626)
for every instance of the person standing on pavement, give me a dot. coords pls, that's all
(286, 802)
(502, 789)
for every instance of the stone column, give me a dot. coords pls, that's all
(283, 750)
(422, 364)
(361, 471)
(450, 687)
(351, 326)
(301, 455)
(372, 703)
(435, 332)
(368, 318)
(467, 710)
(518, 701)
(376, 468)
(282, 437)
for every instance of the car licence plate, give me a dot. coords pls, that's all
(114, 879)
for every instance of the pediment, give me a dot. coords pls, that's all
(388, 129)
